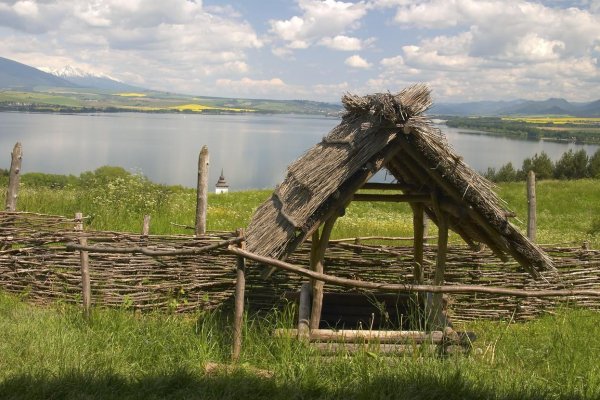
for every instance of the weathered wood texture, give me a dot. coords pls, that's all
(84, 261)
(531, 207)
(14, 178)
(202, 191)
(240, 289)
(34, 263)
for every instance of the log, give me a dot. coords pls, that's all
(240, 288)
(391, 287)
(304, 311)
(354, 348)
(361, 336)
(14, 177)
(439, 319)
(317, 266)
(419, 232)
(531, 207)
(383, 186)
(393, 198)
(202, 192)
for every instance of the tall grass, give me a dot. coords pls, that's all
(568, 211)
(53, 353)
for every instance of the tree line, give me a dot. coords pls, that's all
(571, 165)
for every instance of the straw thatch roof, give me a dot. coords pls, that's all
(377, 131)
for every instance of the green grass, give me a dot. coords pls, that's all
(51, 352)
(568, 211)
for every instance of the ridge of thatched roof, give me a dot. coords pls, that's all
(385, 130)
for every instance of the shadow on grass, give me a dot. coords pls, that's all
(242, 385)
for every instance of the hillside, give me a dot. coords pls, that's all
(552, 106)
(14, 75)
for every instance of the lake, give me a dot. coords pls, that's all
(253, 150)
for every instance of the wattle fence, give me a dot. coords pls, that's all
(35, 264)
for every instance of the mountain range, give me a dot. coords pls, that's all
(553, 106)
(86, 79)
(17, 76)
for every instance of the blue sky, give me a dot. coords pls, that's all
(318, 49)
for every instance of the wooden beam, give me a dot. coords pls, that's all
(393, 198)
(383, 186)
(304, 311)
(439, 319)
(317, 266)
(360, 336)
(419, 236)
(393, 287)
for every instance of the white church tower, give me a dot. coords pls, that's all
(221, 186)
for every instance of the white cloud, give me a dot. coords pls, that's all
(341, 42)
(357, 61)
(161, 42)
(320, 20)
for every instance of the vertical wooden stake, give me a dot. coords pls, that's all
(419, 231)
(531, 209)
(85, 269)
(146, 226)
(240, 288)
(437, 310)
(316, 263)
(14, 178)
(202, 191)
(304, 311)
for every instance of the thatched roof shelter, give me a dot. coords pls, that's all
(387, 131)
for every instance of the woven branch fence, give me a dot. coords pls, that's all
(35, 263)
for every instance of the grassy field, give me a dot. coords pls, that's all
(568, 211)
(52, 353)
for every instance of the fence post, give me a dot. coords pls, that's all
(14, 177)
(85, 268)
(531, 206)
(240, 288)
(146, 226)
(202, 191)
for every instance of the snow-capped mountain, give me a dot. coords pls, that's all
(84, 78)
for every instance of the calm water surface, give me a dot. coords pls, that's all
(253, 150)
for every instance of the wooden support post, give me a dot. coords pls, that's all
(240, 288)
(14, 178)
(86, 290)
(304, 311)
(202, 192)
(316, 263)
(419, 236)
(438, 317)
(146, 226)
(531, 206)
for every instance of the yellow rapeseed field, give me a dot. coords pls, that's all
(130, 94)
(557, 120)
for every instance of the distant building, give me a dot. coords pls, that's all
(221, 186)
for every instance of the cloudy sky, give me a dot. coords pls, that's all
(318, 49)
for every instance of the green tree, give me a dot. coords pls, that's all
(506, 173)
(594, 165)
(572, 165)
(103, 175)
(540, 164)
